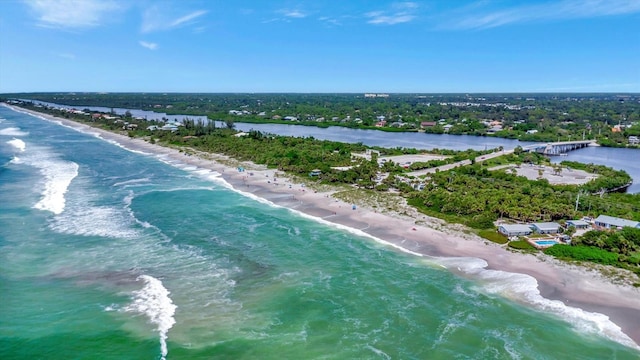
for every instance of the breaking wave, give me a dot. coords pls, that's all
(154, 302)
(57, 174)
(521, 287)
(18, 144)
(13, 131)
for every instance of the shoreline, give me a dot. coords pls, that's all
(570, 285)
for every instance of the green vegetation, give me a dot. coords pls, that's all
(582, 253)
(609, 179)
(521, 245)
(608, 118)
(493, 236)
(618, 248)
(472, 191)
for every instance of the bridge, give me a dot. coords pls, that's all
(558, 148)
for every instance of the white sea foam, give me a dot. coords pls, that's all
(86, 220)
(57, 173)
(378, 352)
(17, 144)
(524, 288)
(13, 131)
(154, 302)
(58, 176)
(132, 182)
(116, 143)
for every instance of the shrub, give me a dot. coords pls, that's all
(521, 245)
(493, 236)
(583, 253)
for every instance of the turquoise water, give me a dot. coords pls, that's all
(111, 254)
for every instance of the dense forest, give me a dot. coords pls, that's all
(611, 119)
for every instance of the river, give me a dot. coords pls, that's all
(617, 158)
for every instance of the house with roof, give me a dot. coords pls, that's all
(381, 123)
(578, 224)
(546, 227)
(634, 140)
(514, 230)
(169, 127)
(612, 222)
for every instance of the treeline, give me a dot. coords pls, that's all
(478, 197)
(527, 117)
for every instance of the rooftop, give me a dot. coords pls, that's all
(614, 221)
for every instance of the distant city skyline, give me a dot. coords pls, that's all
(321, 46)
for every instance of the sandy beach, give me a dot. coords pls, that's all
(438, 243)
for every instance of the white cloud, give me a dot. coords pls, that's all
(559, 10)
(155, 19)
(72, 13)
(187, 18)
(294, 14)
(148, 45)
(401, 12)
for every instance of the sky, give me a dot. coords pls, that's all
(320, 46)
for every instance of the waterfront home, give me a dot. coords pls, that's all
(634, 140)
(578, 224)
(381, 123)
(611, 222)
(425, 124)
(546, 227)
(169, 127)
(514, 230)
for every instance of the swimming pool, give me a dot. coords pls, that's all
(545, 242)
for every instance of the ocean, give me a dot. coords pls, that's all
(108, 253)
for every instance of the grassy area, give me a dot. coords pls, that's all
(521, 245)
(453, 219)
(493, 236)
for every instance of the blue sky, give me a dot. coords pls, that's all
(320, 46)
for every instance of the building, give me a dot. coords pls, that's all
(578, 224)
(514, 230)
(546, 227)
(634, 140)
(611, 222)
